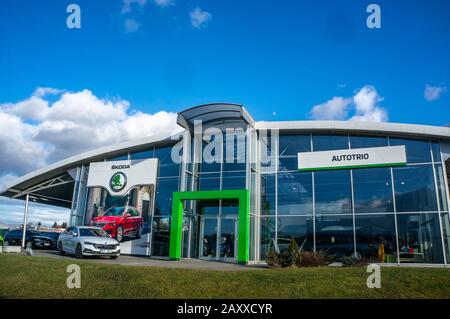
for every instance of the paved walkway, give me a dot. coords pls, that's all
(152, 262)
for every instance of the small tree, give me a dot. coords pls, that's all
(64, 225)
(55, 225)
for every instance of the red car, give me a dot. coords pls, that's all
(120, 222)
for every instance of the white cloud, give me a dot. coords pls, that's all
(200, 18)
(43, 91)
(74, 123)
(128, 4)
(131, 25)
(433, 93)
(164, 3)
(334, 109)
(367, 106)
(363, 106)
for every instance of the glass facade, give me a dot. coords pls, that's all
(384, 214)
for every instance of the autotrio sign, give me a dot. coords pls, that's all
(120, 176)
(355, 158)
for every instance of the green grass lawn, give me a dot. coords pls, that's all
(40, 277)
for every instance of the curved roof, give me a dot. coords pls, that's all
(212, 112)
(216, 111)
(411, 130)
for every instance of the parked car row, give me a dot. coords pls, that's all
(102, 238)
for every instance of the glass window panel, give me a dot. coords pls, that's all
(419, 238)
(375, 237)
(233, 180)
(164, 192)
(414, 188)
(417, 151)
(167, 167)
(230, 207)
(295, 193)
(267, 155)
(208, 207)
(333, 192)
(161, 236)
(293, 144)
(267, 235)
(329, 142)
(441, 188)
(268, 194)
(209, 168)
(142, 155)
(367, 141)
(288, 163)
(446, 234)
(209, 181)
(435, 148)
(334, 235)
(237, 150)
(227, 167)
(372, 190)
(300, 228)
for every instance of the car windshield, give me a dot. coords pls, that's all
(114, 211)
(92, 232)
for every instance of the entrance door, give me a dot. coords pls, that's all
(218, 238)
(227, 239)
(208, 243)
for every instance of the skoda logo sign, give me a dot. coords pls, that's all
(118, 182)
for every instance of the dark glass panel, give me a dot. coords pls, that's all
(333, 192)
(375, 238)
(417, 151)
(268, 194)
(419, 238)
(293, 144)
(161, 236)
(300, 228)
(414, 188)
(329, 142)
(367, 141)
(372, 190)
(295, 193)
(334, 235)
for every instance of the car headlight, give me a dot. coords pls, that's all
(89, 243)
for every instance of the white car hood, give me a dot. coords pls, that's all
(99, 240)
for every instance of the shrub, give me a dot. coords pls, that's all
(313, 259)
(294, 257)
(273, 259)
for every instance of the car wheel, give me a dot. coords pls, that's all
(113, 257)
(60, 249)
(119, 234)
(79, 252)
(29, 245)
(6, 243)
(139, 232)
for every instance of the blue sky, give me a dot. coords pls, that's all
(283, 56)
(282, 60)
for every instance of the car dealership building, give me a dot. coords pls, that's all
(228, 188)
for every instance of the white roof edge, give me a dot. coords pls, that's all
(360, 127)
(94, 153)
(356, 126)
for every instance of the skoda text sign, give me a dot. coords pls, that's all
(119, 177)
(354, 158)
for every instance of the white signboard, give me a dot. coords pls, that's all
(354, 158)
(118, 177)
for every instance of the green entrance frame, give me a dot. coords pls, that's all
(176, 225)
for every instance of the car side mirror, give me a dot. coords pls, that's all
(127, 215)
(75, 234)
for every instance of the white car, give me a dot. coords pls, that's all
(87, 241)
